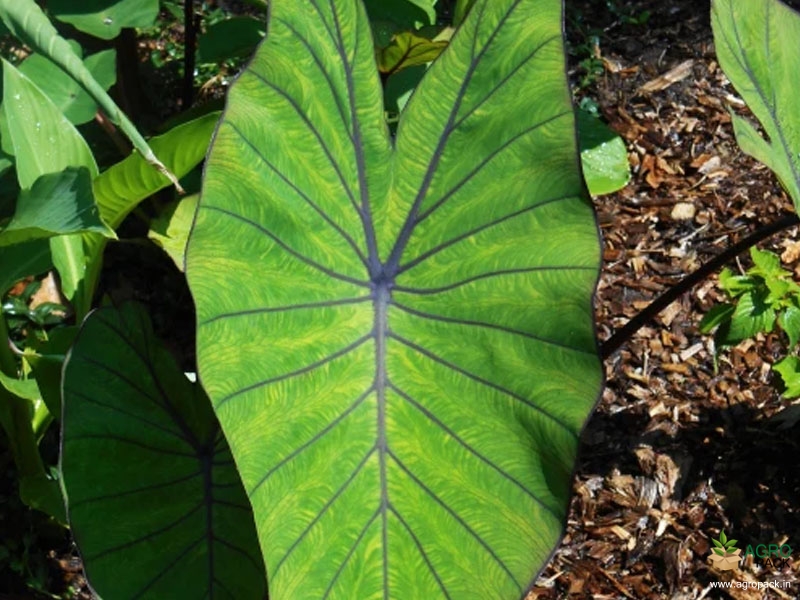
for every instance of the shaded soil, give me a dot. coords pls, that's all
(678, 449)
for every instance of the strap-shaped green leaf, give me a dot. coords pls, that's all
(25, 19)
(757, 46)
(76, 104)
(44, 141)
(105, 18)
(397, 335)
(154, 500)
(121, 187)
(21, 260)
(56, 204)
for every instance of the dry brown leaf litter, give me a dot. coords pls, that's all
(677, 450)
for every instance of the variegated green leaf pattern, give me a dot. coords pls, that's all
(397, 334)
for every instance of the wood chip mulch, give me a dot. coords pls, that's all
(679, 449)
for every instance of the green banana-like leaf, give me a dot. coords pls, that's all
(44, 141)
(154, 500)
(25, 20)
(56, 204)
(78, 106)
(170, 230)
(757, 47)
(105, 18)
(22, 260)
(397, 335)
(119, 189)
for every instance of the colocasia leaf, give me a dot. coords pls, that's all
(397, 334)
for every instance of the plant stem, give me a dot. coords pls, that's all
(190, 31)
(626, 332)
(8, 365)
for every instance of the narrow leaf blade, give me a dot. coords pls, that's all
(105, 18)
(121, 187)
(756, 43)
(44, 141)
(57, 204)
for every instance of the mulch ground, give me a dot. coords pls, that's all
(678, 450)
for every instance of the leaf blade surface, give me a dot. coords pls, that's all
(756, 42)
(402, 352)
(140, 440)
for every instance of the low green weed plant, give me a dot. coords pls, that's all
(766, 297)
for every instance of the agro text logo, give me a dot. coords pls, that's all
(770, 555)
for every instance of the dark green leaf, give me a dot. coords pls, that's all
(715, 316)
(461, 10)
(399, 87)
(46, 363)
(104, 18)
(155, 502)
(56, 204)
(230, 38)
(21, 418)
(405, 14)
(22, 260)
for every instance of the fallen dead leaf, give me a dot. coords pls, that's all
(674, 75)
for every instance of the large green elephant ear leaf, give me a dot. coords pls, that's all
(757, 46)
(154, 500)
(398, 338)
